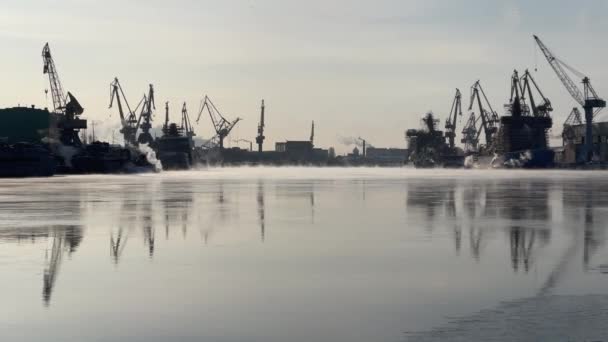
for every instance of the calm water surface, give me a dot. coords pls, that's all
(305, 254)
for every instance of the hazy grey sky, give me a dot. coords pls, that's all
(369, 68)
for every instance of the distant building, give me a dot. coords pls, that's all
(279, 147)
(298, 148)
(319, 154)
(386, 155)
(299, 151)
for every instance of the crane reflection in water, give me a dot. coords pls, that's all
(476, 214)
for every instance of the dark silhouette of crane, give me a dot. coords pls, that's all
(587, 98)
(450, 124)
(543, 109)
(489, 118)
(129, 122)
(260, 138)
(68, 108)
(186, 125)
(522, 101)
(517, 105)
(574, 118)
(470, 136)
(312, 133)
(59, 102)
(145, 118)
(222, 126)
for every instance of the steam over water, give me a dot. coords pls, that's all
(306, 254)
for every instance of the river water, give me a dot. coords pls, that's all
(306, 254)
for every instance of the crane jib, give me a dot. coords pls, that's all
(556, 65)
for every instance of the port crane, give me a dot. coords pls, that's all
(130, 121)
(67, 107)
(145, 118)
(450, 124)
(587, 98)
(522, 102)
(489, 118)
(470, 136)
(543, 109)
(186, 125)
(260, 138)
(574, 118)
(517, 105)
(222, 126)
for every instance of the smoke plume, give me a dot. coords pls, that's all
(348, 141)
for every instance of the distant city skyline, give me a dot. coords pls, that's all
(357, 68)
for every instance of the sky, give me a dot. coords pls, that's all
(357, 68)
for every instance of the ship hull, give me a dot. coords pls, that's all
(25, 160)
(525, 159)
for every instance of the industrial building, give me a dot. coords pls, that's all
(383, 156)
(301, 151)
(375, 156)
(573, 150)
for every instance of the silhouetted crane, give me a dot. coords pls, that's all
(516, 105)
(470, 136)
(574, 118)
(260, 138)
(69, 108)
(129, 122)
(221, 125)
(545, 108)
(145, 118)
(450, 124)
(489, 118)
(587, 98)
(186, 125)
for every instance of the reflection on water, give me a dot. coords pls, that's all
(522, 209)
(64, 240)
(537, 233)
(261, 210)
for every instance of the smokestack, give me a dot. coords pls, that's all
(364, 149)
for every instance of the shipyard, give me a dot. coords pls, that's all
(44, 142)
(278, 171)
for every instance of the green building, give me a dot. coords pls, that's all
(27, 124)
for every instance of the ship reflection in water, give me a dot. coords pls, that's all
(300, 254)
